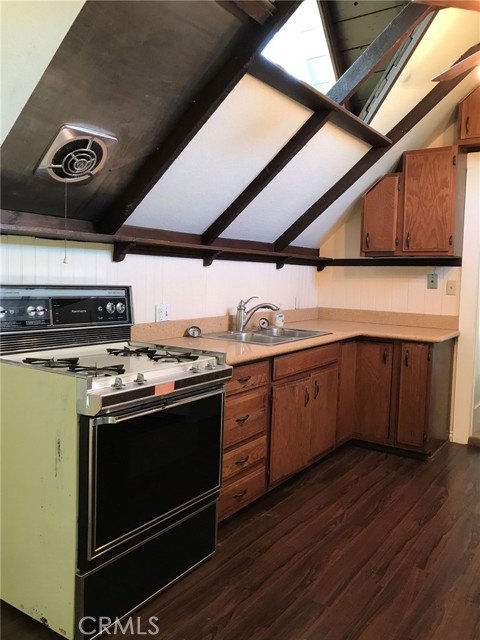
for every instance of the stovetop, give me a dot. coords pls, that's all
(122, 372)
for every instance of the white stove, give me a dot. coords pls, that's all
(110, 375)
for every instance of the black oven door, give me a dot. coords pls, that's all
(147, 465)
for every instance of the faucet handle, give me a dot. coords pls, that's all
(244, 304)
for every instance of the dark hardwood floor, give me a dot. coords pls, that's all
(363, 546)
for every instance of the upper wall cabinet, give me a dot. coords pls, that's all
(469, 120)
(420, 211)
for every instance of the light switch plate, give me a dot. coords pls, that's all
(451, 287)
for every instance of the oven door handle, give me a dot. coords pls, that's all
(130, 416)
(159, 407)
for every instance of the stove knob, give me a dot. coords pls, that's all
(40, 311)
(194, 369)
(118, 384)
(140, 379)
(31, 310)
(120, 307)
(110, 307)
(211, 365)
(2, 312)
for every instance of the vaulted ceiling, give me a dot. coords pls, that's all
(219, 153)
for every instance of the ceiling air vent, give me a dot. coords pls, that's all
(76, 154)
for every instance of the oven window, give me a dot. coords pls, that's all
(146, 467)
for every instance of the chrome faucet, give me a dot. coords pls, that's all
(243, 316)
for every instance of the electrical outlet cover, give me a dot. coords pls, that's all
(432, 281)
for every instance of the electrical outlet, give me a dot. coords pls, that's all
(451, 287)
(162, 312)
(432, 281)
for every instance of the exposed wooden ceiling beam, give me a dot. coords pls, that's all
(279, 79)
(259, 10)
(465, 65)
(471, 5)
(367, 161)
(273, 168)
(194, 118)
(378, 51)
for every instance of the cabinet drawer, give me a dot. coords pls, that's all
(294, 363)
(243, 457)
(248, 376)
(245, 416)
(239, 493)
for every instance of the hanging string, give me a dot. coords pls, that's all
(65, 261)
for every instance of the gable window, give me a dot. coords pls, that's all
(300, 47)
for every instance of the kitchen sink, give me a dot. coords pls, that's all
(268, 336)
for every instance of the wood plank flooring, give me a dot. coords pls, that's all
(363, 546)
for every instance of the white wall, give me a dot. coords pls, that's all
(191, 290)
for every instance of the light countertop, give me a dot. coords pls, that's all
(237, 353)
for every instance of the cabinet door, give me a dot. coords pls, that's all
(413, 395)
(323, 410)
(469, 117)
(429, 201)
(346, 392)
(373, 390)
(379, 216)
(289, 439)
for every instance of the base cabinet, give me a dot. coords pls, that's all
(402, 395)
(304, 409)
(245, 437)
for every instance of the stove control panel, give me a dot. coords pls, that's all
(24, 308)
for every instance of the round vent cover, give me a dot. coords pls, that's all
(75, 155)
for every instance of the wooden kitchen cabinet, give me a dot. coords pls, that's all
(373, 390)
(346, 391)
(402, 394)
(431, 217)
(304, 409)
(469, 120)
(381, 216)
(245, 436)
(420, 211)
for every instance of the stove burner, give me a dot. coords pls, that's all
(111, 370)
(126, 351)
(51, 363)
(171, 357)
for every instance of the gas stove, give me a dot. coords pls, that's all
(110, 375)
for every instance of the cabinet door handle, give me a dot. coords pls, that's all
(316, 390)
(367, 241)
(397, 241)
(407, 358)
(409, 237)
(307, 397)
(244, 379)
(385, 358)
(240, 494)
(467, 125)
(241, 461)
(241, 421)
(450, 240)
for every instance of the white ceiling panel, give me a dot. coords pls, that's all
(248, 129)
(421, 136)
(317, 167)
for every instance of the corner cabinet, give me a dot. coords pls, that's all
(304, 409)
(402, 395)
(469, 120)
(245, 437)
(418, 212)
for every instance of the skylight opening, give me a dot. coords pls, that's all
(301, 48)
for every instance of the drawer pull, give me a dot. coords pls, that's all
(244, 379)
(241, 421)
(367, 241)
(241, 461)
(240, 494)
(307, 397)
(317, 389)
(467, 125)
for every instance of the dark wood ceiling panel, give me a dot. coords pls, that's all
(351, 9)
(126, 67)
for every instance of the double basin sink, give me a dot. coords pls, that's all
(268, 336)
